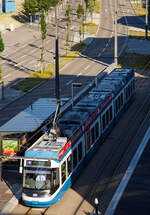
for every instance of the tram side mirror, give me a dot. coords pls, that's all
(20, 169)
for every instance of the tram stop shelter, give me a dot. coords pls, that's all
(26, 127)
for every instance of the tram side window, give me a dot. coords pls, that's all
(110, 113)
(118, 103)
(80, 151)
(107, 117)
(55, 183)
(92, 136)
(69, 164)
(63, 172)
(97, 130)
(103, 120)
(129, 90)
(116, 106)
(133, 85)
(75, 158)
(121, 99)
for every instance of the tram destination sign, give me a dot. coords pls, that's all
(37, 163)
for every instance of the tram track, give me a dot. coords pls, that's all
(37, 211)
(114, 157)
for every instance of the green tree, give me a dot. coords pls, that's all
(80, 15)
(91, 9)
(1, 43)
(67, 15)
(87, 5)
(43, 35)
(30, 7)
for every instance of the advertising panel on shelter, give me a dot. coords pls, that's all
(9, 147)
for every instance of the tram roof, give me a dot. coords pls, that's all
(32, 117)
(71, 121)
(124, 71)
(92, 101)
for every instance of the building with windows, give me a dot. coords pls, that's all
(7, 6)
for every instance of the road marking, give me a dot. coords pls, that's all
(86, 67)
(31, 62)
(99, 54)
(31, 52)
(18, 64)
(37, 65)
(22, 56)
(6, 76)
(115, 200)
(79, 74)
(69, 82)
(104, 49)
(107, 45)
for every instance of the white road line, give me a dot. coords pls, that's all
(69, 82)
(99, 54)
(31, 62)
(18, 64)
(22, 56)
(115, 200)
(31, 52)
(104, 49)
(86, 67)
(6, 76)
(79, 74)
(107, 45)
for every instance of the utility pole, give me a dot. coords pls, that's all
(83, 18)
(56, 60)
(116, 39)
(0, 158)
(146, 21)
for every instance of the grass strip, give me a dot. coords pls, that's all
(91, 28)
(138, 34)
(38, 76)
(133, 60)
(140, 11)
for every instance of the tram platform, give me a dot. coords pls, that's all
(132, 196)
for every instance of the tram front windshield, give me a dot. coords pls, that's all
(41, 178)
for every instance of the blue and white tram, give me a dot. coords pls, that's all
(51, 164)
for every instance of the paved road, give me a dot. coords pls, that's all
(21, 56)
(84, 69)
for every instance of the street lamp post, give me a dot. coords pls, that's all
(146, 21)
(96, 203)
(116, 39)
(56, 60)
